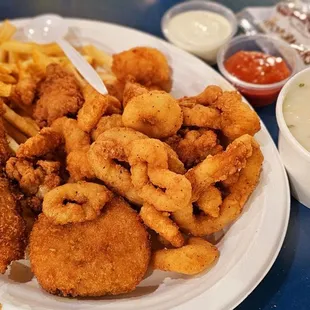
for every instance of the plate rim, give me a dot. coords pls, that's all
(245, 292)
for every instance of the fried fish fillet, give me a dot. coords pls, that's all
(108, 255)
(59, 95)
(12, 228)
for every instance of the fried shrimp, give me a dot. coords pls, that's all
(75, 138)
(75, 202)
(107, 157)
(106, 123)
(77, 144)
(162, 225)
(156, 114)
(12, 228)
(190, 259)
(94, 107)
(148, 66)
(164, 189)
(79, 167)
(201, 225)
(201, 116)
(216, 109)
(220, 166)
(195, 146)
(46, 141)
(237, 118)
(210, 201)
(108, 255)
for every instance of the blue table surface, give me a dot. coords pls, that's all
(287, 285)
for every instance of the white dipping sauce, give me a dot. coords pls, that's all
(296, 111)
(200, 32)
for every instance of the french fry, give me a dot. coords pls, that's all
(13, 145)
(7, 68)
(32, 122)
(8, 79)
(100, 57)
(7, 30)
(12, 57)
(40, 59)
(3, 55)
(17, 47)
(51, 49)
(5, 89)
(14, 132)
(19, 122)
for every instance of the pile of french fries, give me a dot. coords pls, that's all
(22, 60)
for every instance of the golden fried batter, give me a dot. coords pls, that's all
(12, 228)
(46, 141)
(106, 123)
(108, 255)
(23, 93)
(35, 179)
(148, 66)
(237, 118)
(95, 106)
(195, 146)
(59, 96)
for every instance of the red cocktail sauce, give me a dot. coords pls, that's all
(258, 68)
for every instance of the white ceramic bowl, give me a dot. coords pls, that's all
(294, 156)
(205, 52)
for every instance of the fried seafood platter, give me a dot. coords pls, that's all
(97, 190)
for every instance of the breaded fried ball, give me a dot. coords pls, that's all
(108, 255)
(148, 66)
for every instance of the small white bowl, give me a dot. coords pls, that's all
(206, 52)
(294, 156)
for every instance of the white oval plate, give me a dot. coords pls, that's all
(248, 248)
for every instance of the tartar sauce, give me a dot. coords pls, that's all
(200, 32)
(296, 111)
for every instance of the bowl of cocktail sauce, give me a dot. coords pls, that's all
(258, 66)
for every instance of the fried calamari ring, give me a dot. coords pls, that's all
(105, 156)
(174, 163)
(156, 114)
(210, 200)
(218, 167)
(201, 225)
(164, 189)
(148, 66)
(75, 138)
(46, 141)
(106, 123)
(161, 224)
(94, 107)
(190, 259)
(75, 202)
